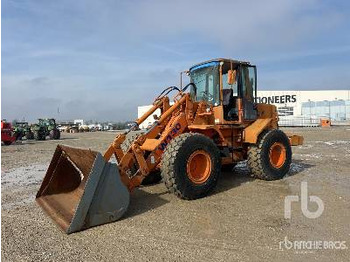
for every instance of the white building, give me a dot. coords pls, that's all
(297, 108)
(143, 109)
(79, 122)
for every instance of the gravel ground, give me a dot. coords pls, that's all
(242, 220)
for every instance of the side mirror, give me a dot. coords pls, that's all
(231, 77)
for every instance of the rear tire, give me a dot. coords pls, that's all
(271, 157)
(30, 135)
(7, 143)
(191, 166)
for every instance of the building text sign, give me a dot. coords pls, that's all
(277, 99)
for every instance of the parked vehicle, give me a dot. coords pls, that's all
(8, 136)
(45, 127)
(213, 121)
(23, 130)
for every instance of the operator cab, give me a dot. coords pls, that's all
(229, 84)
(206, 78)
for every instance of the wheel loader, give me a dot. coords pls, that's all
(213, 121)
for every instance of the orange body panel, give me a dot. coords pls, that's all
(252, 132)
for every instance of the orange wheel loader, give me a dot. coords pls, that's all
(214, 122)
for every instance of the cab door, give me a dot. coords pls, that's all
(248, 91)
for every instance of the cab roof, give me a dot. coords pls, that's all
(220, 60)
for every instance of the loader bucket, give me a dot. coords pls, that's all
(82, 190)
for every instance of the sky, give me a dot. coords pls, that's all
(99, 60)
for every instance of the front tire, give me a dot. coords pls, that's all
(58, 134)
(54, 134)
(271, 157)
(39, 136)
(191, 166)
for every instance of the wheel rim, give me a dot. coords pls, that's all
(277, 155)
(199, 167)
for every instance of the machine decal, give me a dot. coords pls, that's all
(169, 137)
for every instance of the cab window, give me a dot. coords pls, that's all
(206, 79)
(248, 82)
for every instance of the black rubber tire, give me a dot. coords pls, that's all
(155, 176)
(30, 135)
(18, 135)
(259, 160)
(130, 138)
(7, 143)
(52, 134)
(174, 161)
(37, 135)
(57, 134)
(42, 135)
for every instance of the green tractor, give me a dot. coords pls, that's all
(53, 131)
(46, 127)
(23, 130)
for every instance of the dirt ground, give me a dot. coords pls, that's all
(243, 220)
